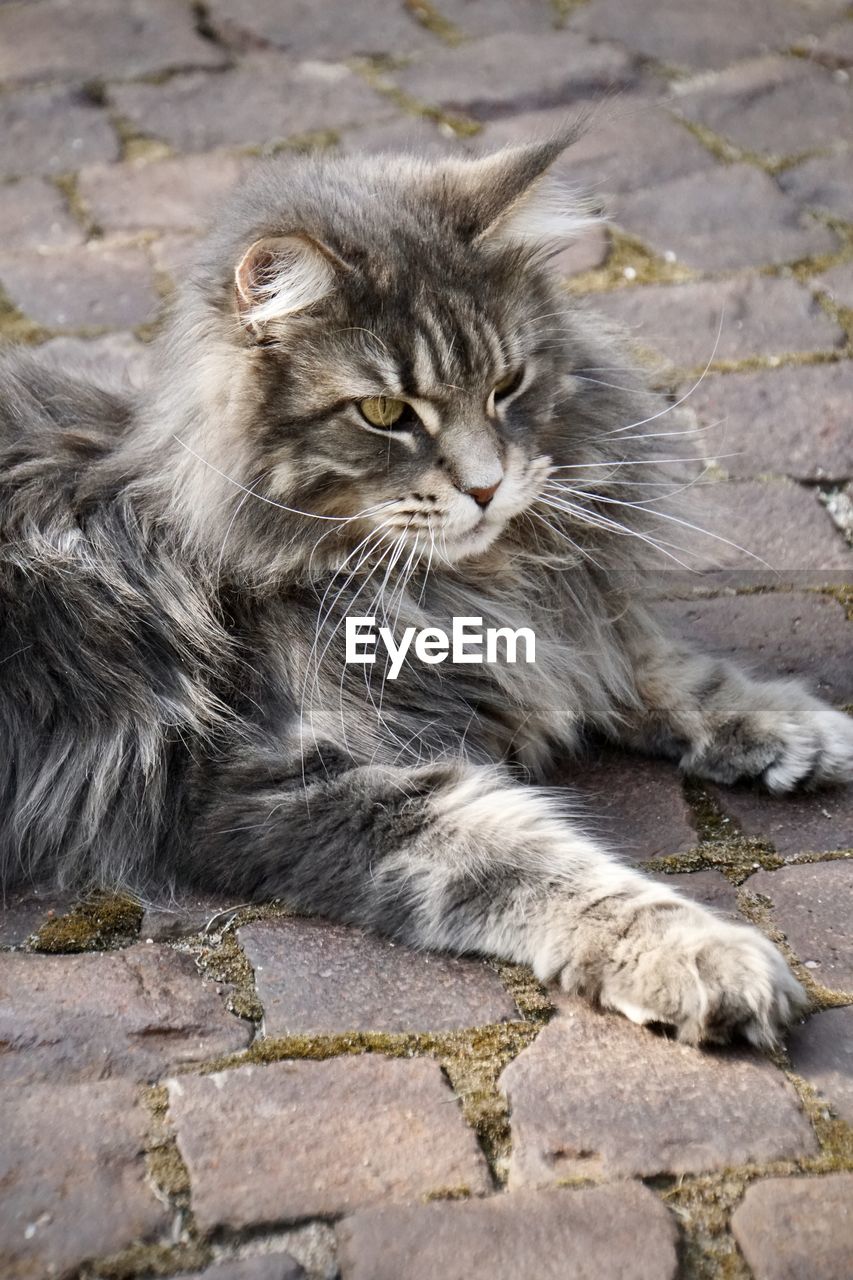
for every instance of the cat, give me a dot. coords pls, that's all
(373, 398)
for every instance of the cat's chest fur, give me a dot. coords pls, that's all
(499, 709)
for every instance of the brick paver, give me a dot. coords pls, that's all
(73, 1174)
(516, 70)
(813, 906)
(596, 1096)
(134, 1013)
(53, 129)
(717, 221)
(634, 804)
(586, 1234)
(719, 139)
(794, 824)
(693, 325)
(793, 422)
(797, 1227)
(99, 39)
(314, 978)
(320, 1138)
(266, 99)
(757, 106)
(774, 636)
(823, 183)
(689, 33)
(821, 1050)
(84, 288)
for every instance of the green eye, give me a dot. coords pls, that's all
(509, 382)
(382, 411)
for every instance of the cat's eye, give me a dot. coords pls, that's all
(384, 411)
(509, 383)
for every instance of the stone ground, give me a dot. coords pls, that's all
(242, 1095)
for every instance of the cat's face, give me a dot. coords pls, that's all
(399, 336)
(417, 400)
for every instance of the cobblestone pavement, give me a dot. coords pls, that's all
(243, 1095)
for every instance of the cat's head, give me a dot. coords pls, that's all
(375, 339)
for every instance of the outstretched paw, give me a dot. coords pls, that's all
(708, 979)
(785, 739)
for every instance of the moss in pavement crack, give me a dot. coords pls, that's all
(99, 922)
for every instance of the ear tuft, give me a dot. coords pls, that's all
(550, 210)
(280, 276)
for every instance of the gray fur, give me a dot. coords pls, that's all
(175, 570)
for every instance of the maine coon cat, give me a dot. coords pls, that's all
(372, 398)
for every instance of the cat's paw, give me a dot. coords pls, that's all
(785, 739)
(706, 978)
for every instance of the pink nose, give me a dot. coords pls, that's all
(483, 497)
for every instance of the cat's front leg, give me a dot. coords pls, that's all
(455, 857)
(722, 725)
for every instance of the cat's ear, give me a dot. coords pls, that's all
(280, 276)
(512, 195)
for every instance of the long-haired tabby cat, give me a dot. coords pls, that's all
(371, 399)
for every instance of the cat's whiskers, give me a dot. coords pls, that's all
(583, 516)
(312, 669)
(663, 515)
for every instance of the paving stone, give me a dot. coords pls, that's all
(312, 1139)
(114, 360)
(691, 33)
(164, 195)
(97, 39)
(72, 1168)
(821, 1050)
(81, 288)
(793, 421)
(402, 133)
(636, 805)
(753, 316)
(266, 1266)
(687, 1109)
(620, 1231)
(773, 636)
(824, 182)
(732, 217)
(783, 106)
(34, 215)
(792, 1228)
(322, 31)
(21, 914)
(53, 130)
(629, 143)
(512, 70)
(708, 888)
(813, 905)
(838, 283)
(135, 1013)
(805, 822)
(781, 523)
(267, 99)
(313, 977)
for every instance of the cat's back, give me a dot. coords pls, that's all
(50, 415)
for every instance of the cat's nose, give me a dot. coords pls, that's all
(483, 497)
